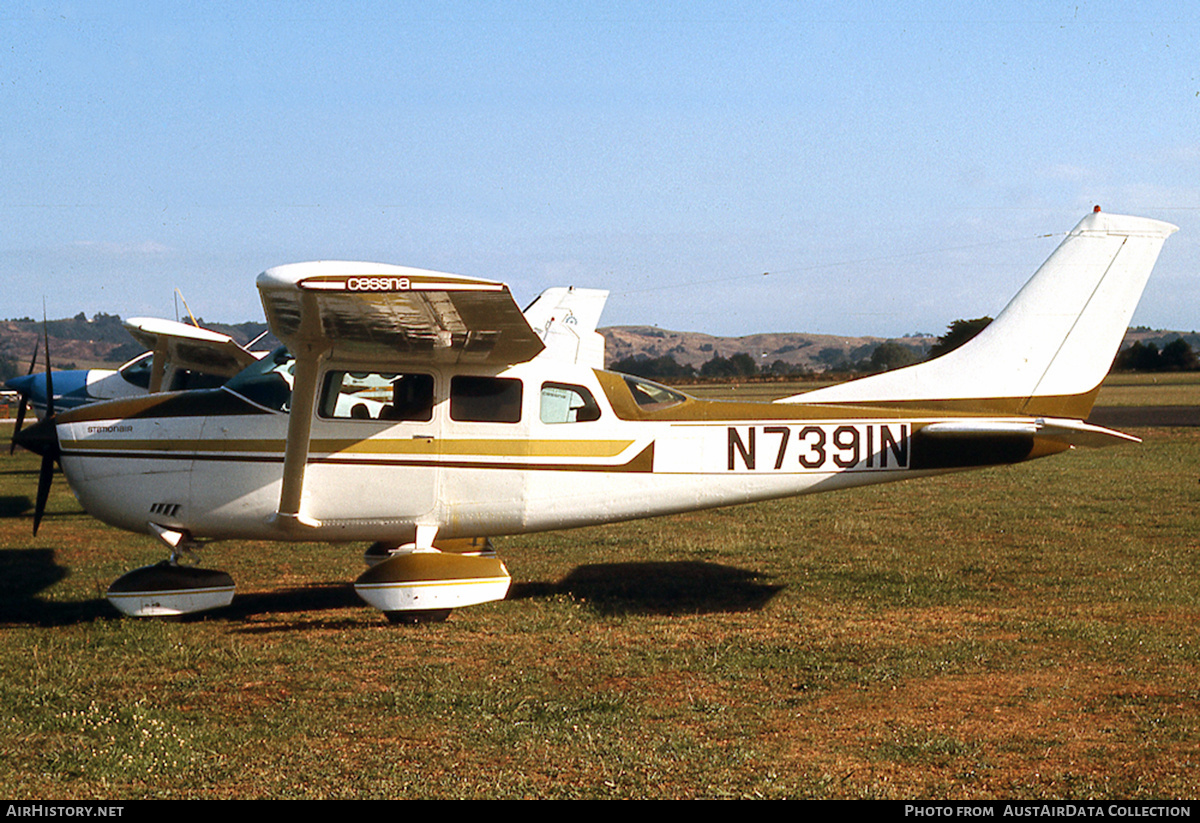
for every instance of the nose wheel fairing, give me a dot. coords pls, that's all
(167, 589)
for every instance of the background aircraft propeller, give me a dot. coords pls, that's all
(50, 456)
(23, 405)
(42, 438)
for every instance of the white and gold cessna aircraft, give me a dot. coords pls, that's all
(424, 412)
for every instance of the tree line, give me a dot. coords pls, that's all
(888, 355)
(1177, 355)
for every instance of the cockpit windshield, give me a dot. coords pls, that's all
(137, 371)
(652, 396)
(267, 382)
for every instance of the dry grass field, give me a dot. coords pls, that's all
(1025, 632)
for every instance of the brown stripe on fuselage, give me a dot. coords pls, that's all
(1074, 407)
(194, 403)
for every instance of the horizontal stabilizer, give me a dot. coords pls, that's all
(1074, 433)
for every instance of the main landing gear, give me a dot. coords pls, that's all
(414, 585)
(407, 583)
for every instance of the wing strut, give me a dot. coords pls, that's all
(158, 365)
(310, 349)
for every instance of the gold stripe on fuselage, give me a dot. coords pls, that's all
(481, 447)
(1072, 407)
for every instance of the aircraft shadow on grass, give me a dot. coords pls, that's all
(657, 588)
(26, 573)
(14, 505)
(607, 588)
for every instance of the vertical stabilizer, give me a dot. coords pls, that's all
(1047, 352)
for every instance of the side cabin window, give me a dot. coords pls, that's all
(377, 396)
(485, 399)
(565, 403)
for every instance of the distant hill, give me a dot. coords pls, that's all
(1159, 337)
(814, 352)
(101, 341)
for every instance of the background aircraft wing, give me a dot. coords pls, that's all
(395, 313)
(188, 347)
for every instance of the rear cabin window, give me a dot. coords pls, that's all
(485, 399)
(377, 396)
(565, 403)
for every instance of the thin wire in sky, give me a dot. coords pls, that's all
(837, 264)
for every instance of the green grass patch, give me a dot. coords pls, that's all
(1026, 632)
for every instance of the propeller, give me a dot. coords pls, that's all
(42, 438)
(24, 398)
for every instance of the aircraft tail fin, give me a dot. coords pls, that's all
(1050, 348)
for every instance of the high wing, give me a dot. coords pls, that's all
(372, 312)
(382, 312)
(187, 347)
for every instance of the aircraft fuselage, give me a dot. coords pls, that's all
(532, 447)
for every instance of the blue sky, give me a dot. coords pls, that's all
(892, 170)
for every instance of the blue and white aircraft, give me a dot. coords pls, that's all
(180, 357)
